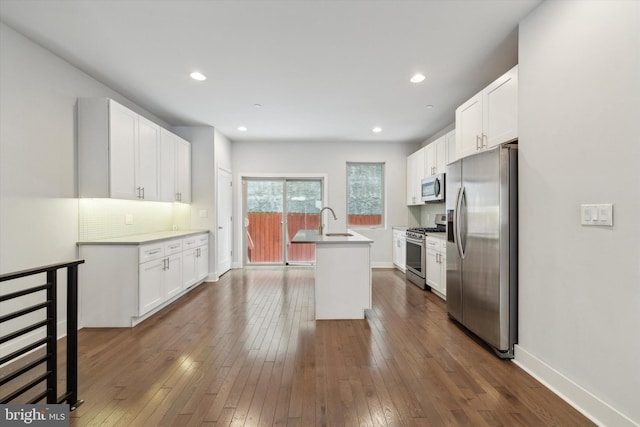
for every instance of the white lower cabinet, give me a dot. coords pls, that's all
(124, 284)
(399, 249)
(436, 265)
(195, 259)
(151, 289)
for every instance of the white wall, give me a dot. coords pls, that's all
(290, 158)
(38, 204)
(579, 319)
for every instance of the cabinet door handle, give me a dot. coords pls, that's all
(485, 140)
(478, 142)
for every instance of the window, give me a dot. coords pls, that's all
(365, 194)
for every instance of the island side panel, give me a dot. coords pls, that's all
(343, 280)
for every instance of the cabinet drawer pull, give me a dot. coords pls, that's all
(153, 252)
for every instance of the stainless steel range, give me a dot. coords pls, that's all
(416, 252)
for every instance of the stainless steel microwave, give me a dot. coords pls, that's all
(433, 188)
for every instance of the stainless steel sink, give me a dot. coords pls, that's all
(338, 234)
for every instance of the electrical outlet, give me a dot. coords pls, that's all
(204, 213)
(128, 219)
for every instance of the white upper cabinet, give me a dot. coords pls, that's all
(490, 117)
(416, 164)
(183, 170)
(435, 160)
(168, 166)
(500, 109)
(452, 156)
(148, 160)
(119, 143)
(122, 155)
(176, 168)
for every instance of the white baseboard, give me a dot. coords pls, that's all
(584, 401)
(382, 265)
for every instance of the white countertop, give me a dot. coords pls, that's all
(138, 239)
(312, 236)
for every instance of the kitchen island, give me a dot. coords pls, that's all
(342, 273)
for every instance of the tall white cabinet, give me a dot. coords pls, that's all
(123, 155)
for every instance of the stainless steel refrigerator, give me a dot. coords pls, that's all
(482, 245)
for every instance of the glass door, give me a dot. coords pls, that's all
(263, 219)
(274, 211)
(304, 201)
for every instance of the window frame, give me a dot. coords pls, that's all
(383, 190)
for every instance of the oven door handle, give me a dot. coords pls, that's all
(418, 242)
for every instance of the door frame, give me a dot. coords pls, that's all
(239, 225)
(223, 264)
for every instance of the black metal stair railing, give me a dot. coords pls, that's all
(49, 342)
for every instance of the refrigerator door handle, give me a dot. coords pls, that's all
(459, 222)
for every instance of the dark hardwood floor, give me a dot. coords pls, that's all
(246, 351)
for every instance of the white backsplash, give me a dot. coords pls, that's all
(107, 218)
(425, 215)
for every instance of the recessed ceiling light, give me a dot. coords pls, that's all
(257, 105)
(377, 129)
(417, 78)
(198, 76)
(242, 128)
(428, 107)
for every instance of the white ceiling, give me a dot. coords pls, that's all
(322, 70)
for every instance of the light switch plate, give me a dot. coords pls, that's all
(605, 214)
(128, 219)
(596, 214)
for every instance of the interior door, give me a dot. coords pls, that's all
(224, 219)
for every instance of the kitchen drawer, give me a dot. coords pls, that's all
(434, 244)
(150, 252)
(173, 246)
(202, 239)
(189, 242)
(195, 241)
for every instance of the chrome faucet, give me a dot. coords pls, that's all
(321, 228)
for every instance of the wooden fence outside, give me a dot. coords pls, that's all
(265, 235)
